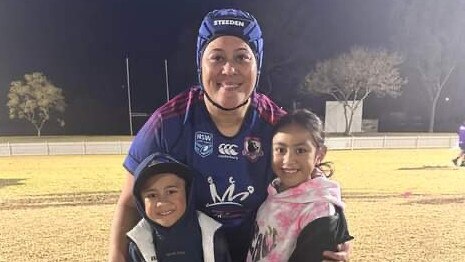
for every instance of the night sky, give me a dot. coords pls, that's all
(81, 47)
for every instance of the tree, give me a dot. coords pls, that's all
(430, 35)
(35, 98)
(351, 77)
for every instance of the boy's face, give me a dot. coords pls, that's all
(164, 196)
(294, 155)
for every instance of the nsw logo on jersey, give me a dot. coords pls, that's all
(229, 151)
(203, 143)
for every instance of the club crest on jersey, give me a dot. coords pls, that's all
(203, 143)
(252, 148)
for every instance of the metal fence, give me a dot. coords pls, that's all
(64, 148)
(393, 142)
(121, 147)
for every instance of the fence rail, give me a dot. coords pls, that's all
(122, 147)
(64, 148)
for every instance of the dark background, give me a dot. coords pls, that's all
(81, 46)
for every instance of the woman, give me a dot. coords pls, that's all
(221, 129)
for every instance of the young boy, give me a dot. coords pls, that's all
(171, 229)
(461, 155)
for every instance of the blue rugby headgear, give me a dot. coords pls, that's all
(231, 22)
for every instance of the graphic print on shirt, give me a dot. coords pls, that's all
(228, 151)
(229, 197)
(203, 143)
(263, 242)
(252, 148)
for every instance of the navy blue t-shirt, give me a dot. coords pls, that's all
(232, 173)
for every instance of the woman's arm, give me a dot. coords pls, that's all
(124, 219)
(343, 253)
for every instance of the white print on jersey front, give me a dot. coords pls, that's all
(228, 151)
(228, 197)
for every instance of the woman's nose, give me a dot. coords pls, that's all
(229, 68)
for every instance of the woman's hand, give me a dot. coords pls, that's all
(342, 254)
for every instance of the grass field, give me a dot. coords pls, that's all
(402, 205)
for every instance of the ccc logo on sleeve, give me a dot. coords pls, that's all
(228, 149)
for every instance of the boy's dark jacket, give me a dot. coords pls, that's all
(194, 237)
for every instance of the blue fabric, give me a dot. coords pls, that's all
(231, 173)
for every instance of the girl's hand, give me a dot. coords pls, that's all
(342, 254)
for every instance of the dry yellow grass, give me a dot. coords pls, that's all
(57, 208)
(402, 205)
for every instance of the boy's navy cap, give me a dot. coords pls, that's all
(158, 163)
(231, 22)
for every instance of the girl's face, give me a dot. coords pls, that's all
(295, 155)
(164, 197)
(229, 71)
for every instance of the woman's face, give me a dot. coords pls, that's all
(229, 71)
(295, 155)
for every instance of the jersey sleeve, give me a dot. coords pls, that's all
(148, 140)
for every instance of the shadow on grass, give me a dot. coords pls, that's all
(410, 198)
(367, 196)
(429, 168)
(58, 200)
(4, 182)
(437, 201)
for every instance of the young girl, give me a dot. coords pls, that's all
(302, 215)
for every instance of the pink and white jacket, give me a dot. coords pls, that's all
(282, 216)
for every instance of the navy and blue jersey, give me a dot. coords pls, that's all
(231, 173)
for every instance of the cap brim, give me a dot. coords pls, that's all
(161, 168)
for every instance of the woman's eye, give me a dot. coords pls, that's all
(244, 57)
(216, 58)
(170, 192)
